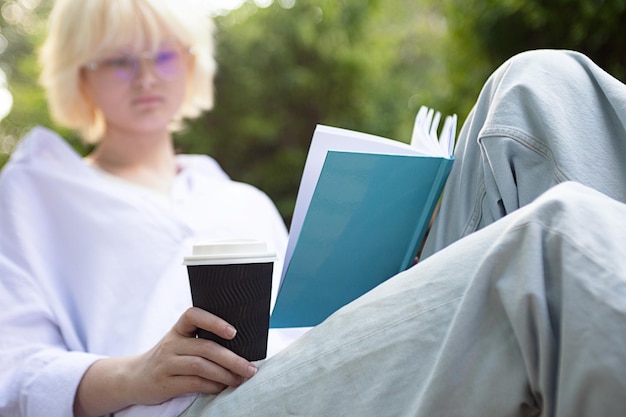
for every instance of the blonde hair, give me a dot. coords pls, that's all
(79, 31)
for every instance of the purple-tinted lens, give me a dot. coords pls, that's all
(166, 63)
(123, 67)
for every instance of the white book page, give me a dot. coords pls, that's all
(425, 136)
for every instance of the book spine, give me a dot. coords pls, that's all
(424, 220)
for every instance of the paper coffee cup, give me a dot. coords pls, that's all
(233, 280)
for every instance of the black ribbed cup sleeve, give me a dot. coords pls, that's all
(239, 294)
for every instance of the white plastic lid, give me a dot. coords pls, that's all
(235, 251)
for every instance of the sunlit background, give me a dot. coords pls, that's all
(15, 13)
(287, 65)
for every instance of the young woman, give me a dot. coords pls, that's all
(523, 317)
(92, 249)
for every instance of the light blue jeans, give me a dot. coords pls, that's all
(542, 118)
(524, 317)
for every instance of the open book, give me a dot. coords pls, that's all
(362, 210)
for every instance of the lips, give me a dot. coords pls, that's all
(147, 100)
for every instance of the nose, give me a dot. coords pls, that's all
(145, 74)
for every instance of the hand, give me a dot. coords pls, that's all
(179, 364)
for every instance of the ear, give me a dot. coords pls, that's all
(190, 63)
(83, 86)
(190, 59)
(89, 109)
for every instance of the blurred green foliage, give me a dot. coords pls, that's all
(484, 33)
(361, 64)
(353, 64)
(25, 30)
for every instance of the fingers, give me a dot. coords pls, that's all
(206, 373)
(181, 363)
(210, 360)
(212, 352)
(195, 318)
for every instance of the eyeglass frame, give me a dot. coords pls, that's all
(136, 59)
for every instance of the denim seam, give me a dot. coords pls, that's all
(527, 140)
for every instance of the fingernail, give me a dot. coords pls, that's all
(231, 331)
(251, 371)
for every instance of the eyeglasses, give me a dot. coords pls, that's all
(167, 64)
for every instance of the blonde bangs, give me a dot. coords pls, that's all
(127, 25)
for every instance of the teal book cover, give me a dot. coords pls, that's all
(365, 215)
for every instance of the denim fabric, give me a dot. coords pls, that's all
(524, 317)
(542, 118)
